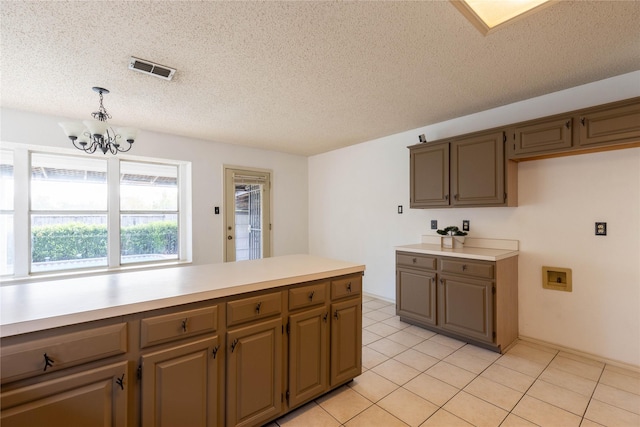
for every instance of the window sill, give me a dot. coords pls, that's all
(7, 281)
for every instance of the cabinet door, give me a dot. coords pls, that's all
(254, 373)
(610, 125)
(429, 175)
(466, 307)
(346, 340)
(179, 385)
(477, 170)
(542, 137)
(90, 398)
(308, 355)
(416, 295)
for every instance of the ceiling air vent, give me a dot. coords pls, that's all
(148, 67)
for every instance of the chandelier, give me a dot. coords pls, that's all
(91, 135)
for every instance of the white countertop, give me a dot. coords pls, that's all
(480, 249)
(48, 304)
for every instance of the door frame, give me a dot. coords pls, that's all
(229, 215)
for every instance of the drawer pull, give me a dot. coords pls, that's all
(48, 362)
(215, 351)
(184, 325)
(349, 287)
(120, 382)
(464, 267)
(311, 295)
(258, 307)
(336, 314)
(415, 260)
(234, 344)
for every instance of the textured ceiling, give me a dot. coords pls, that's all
(300, 77)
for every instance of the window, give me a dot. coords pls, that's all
(68, 212)
(6, 212)
(85, 212)
(148, 212)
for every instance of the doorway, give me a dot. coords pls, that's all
(247, 221)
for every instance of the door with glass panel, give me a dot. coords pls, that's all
(247, 221)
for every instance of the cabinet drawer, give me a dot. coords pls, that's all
(62, 351)
(169, 327)
(467, 268)
(307, 296)
(253, 308)
(415, 260)
(346, 287)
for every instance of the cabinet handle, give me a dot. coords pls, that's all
(464, 267)
(415, 260)
(184, 325)
(325, 317)
(455, 196)
(258, 307)
(442, 281)
(215, 351)
(311, 295)
(349, 287)
(582, 120)
(120, 382)
(336, 314)
(568, 124)
(48, 362)
(234, 344)
(446, 197)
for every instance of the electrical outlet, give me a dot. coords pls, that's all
(434, 224)
(465, 225)
(601, 228)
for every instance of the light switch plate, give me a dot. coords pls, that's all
(434, 224)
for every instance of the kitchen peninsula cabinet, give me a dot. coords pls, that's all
(346, 329)
(456, 292)
(254, 359)
(308, 331)
(466, 171)
(92, 397)
(179, 385)
(174, 347)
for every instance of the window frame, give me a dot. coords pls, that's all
(22, 214)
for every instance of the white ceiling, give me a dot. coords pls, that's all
(300, 77)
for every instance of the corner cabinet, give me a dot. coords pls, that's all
(468, 171)
(467, 299)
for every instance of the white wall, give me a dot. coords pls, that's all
(289, 189)
(354, 193)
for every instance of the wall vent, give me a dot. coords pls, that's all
(151, 68)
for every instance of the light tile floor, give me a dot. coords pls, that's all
(414, 377)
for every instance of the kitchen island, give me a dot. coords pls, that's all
(222, 344)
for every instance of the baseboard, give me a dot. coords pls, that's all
(586, 355)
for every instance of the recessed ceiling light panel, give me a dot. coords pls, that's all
(487, 15)
(151, 68)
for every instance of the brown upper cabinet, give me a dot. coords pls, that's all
(465, 171)
(605, 127)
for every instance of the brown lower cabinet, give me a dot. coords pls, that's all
(177, 385)
(235, 361)
(470, 300)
